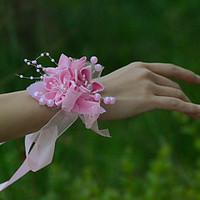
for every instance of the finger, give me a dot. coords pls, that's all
(195, 116)
(170, 92)
(174, 104)
(161, 80)
(171, 70)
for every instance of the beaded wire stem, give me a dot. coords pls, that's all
(39, 69)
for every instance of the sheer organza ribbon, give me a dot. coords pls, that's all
(76, 100)
(39, 146)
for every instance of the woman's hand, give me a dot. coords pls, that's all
(140, 87)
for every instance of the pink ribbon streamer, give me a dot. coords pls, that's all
(39, 146)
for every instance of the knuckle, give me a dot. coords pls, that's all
(174, 103)
(139, 64)
(174, 68)
(189, 73)
(146, 74)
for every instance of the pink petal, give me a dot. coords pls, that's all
(70, 99)
(50, 70)
(36, 87)
(97, 87)
(87, 107)
(59, 98)
(50, 96)
(87, 71)
(102, 110)
(84, 89)
(64, 76)
(63, 62)
(58, 102)
(48, 81)
(59, 94)
(78, 64)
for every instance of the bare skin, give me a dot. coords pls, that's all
(20, 114)
(138, 87)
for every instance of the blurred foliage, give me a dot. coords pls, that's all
(154, 156)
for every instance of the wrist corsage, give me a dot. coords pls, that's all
(73, 88)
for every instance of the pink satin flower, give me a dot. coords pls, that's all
(69, 86)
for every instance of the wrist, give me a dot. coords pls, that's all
(105, 93)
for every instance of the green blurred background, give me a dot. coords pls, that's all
(155, 156)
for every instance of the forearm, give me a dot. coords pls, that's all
(20, 114)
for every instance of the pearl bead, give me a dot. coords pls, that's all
(42, 101)
(112, 100)
(34, 62)
(36, 94)
(107, 100)
(41, 77)
(42, 54)
(97, 97)
(93, 59)
(25, 60)
(39, 66)
(47, 54)
(38, 70)
(21, 76)
(50, 103)
(31, 77)
(98, 67)
(52, 60)
(28, 63)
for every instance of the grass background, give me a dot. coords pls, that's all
(154, 156)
